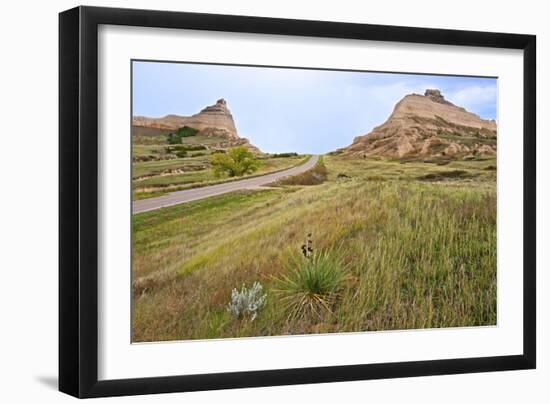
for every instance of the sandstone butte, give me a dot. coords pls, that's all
(428, 126)
(213, 121)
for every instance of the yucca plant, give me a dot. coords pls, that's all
(311, 285)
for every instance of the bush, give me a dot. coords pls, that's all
(279, 155)
(192, 147)
(335, 152)
(174, 139)
(446, 175)
(237, 162)
(185, 148)
(343, 176)
(311, 285)
(247, 302)
(315, 176)
(186, 131)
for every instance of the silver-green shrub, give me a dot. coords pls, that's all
(247, 302)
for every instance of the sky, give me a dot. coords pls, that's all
(298, 110)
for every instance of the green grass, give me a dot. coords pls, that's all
(373, 169)
(151, 168)
(156, 146)
(149, 136)
(414, 254)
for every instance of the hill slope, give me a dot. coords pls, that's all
(427, 126)
(212, 121)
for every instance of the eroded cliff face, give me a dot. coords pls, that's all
(212, 121)
(428, 125)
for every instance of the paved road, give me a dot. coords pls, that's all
(187, 195)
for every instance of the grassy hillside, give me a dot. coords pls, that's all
(397, 248)
(159, 167)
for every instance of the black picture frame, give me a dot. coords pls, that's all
(78, 201)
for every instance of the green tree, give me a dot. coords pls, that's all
(186, 131)
(235, 163)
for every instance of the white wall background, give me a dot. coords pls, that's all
(28, 199)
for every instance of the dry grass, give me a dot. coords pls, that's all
(314, 176)
(416, 254)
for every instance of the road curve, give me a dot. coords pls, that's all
(193, 194)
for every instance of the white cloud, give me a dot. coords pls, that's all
(474, 97)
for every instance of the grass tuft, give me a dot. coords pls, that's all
(310, 286)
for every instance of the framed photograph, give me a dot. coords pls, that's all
(252, 202)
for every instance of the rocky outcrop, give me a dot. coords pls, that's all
(436, 96)
(428, 125)
(212, 121)
(215, 116)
